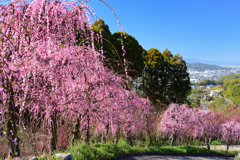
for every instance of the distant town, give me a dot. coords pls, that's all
(198, 72)
(197, 75)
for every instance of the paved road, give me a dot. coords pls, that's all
(170, 157)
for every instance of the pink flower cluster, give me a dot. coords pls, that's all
(230, 132)
(182, 122)
(46, 73)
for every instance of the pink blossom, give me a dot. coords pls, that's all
(230, 132)
(57, 77)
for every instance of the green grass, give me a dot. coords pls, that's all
(218, 142)
(215, 88)
(112, 151)
(237, 157)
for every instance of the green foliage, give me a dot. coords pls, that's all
(103, 27)
(208, 82)
(153, 71)
(202, 151)
(193, 103)
(134, 53)
(217, 87)
(231, 76)
(198, 91)
(219, 103)
(233, 93)
(147, 141)
(112, 56)
(232, 89)
(110, 150)
(220, 93)
(165, 77)
(208, 99)
(113, 52)
(112, 46)
(153, 58)
(229, 83)
(122, 141)
(238, 155)
(217, 142)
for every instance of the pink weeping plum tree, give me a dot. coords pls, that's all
(204, 125)
(179, 121)
(229, 113)
(174, 121)
(45, 73)
(127, 120)
(230, 132)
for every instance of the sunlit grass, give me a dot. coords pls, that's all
(109, 150)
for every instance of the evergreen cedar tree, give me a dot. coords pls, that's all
(113, 51)
(48, 76)
(165, 77)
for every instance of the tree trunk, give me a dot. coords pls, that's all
(117, 134)
(53, 141)
(106, 133)
(172, 141)
(76, 132)
(12, 135)
(143, 84)
(102, 138)
(207, 143)
(12, 126)
(130, 140)
(136, 85)
(228, 146)
(88, 128)
(149, 132)
(200, 141)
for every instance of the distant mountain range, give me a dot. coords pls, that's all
(212, 62)
(201, 66)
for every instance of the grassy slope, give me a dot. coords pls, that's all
(112, 151)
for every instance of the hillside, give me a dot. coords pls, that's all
(201, 66)
(214, 62)
(231, 76)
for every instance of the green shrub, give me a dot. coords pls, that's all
(218, 142)
(109, 150)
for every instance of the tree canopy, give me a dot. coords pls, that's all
(233, 92)
(165, 77)
(206, 82)
(113, 49)
(231, 76)
(231, 88)
(134, 53)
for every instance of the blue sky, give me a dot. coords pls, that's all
(196, 29)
